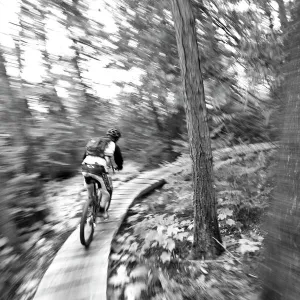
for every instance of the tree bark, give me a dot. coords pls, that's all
(206, 228)
(280, 269)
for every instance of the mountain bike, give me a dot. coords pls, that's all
(90, 211)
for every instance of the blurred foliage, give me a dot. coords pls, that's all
(241, 51)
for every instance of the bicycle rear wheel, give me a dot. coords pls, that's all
(87, 223)
(109, 201)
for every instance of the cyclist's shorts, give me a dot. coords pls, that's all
(97, 170)
(93, 169)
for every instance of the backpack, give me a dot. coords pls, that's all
(96, 147)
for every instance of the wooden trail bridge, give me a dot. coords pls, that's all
(81, 274)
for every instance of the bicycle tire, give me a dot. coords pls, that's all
(109, 201)
(85, 241)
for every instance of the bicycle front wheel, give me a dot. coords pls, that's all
(87, 223)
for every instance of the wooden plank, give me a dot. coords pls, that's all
(136, 186)
(124, 192)
(145, 178)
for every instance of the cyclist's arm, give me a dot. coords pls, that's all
(118, 157)
(84, 155)
(109, 152)
(110, 149)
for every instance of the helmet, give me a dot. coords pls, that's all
(115, 134)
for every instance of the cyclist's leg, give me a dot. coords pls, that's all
(108, 183)
(105, 193)
(111, 185)
(88, 186)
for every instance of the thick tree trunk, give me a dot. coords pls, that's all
(13, 111)
(206, 226)
(7, 225)
(280, 270)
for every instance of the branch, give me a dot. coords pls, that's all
(228, 251)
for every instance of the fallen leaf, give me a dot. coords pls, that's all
(115, 256)
(133, 218)
(124, 258)
(165, 256)
(139, 272)
(230, 222)
(170, 245)
(180, 236)
(133, 291)
(133, 247)
(120, 278)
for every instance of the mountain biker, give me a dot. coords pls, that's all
(97, 167)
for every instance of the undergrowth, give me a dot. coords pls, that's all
(149, 256)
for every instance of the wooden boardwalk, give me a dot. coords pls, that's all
(77, 273)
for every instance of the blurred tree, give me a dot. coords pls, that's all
(50, 96)
(282, 13)
(7, 225)
(282, 257)
(206, 227)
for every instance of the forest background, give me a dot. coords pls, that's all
(71, 69)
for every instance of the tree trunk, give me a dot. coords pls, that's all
(267, 8)
(280, 270)
(7, 225)
(158, 123)
(86, 107)
(76, 65)
(56, 107)
(75, 60)
(13, 109)
(282, 14)
(206, 227)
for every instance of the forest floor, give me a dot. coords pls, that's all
(149, 258)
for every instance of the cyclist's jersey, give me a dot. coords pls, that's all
(109, 153)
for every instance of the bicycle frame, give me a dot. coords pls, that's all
(112, 166)
(96, 201)
(90, 210)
